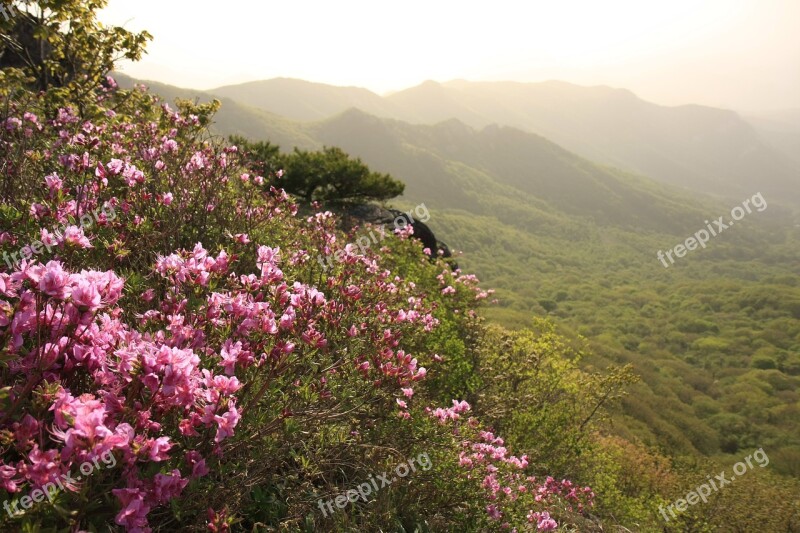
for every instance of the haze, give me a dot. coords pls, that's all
(740, 54)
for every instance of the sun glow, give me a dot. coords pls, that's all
(658, 49)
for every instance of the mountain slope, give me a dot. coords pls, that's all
(233, 118)
(781, 130)
(559, 236)
(423, 157)
(699, 148)
(302, 100)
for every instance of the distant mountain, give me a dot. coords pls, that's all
(700, 148)
(303, 100)
(779, 129)
(452, 165)
(233, 118)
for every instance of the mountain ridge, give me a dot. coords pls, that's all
(701, 148)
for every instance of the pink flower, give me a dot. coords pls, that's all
(226, 423)
(115, 166)
(54, 183)
(169, 145)
(168, 486)
(54, 281)
(544, 522)
(13, 123)
(74, 235)
(186, 428)
(268, 256)
(158, 448)
(198, 464)
(38, 211)
(494, 512)
(230, 354)
(86, 295)
(9, 479)
(44, 468)
(166, 199)
(134, 510)
(287, 318)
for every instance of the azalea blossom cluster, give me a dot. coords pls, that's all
(63, 333)
(160, 389)
(508, 489)
(143, 380)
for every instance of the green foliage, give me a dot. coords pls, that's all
(261, 156)
(333, 176)
(60, 45)
(532, 390)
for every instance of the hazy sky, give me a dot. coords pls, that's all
(742, 54)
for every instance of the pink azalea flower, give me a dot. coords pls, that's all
(134, 510)
(226, 423)
(158, 448)
(86, 295)
(230, 354)
(198, 464)
(494, 512)
(54, 281)
(74, 235)
(54, 183)
(168, 486)
(9, 478)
